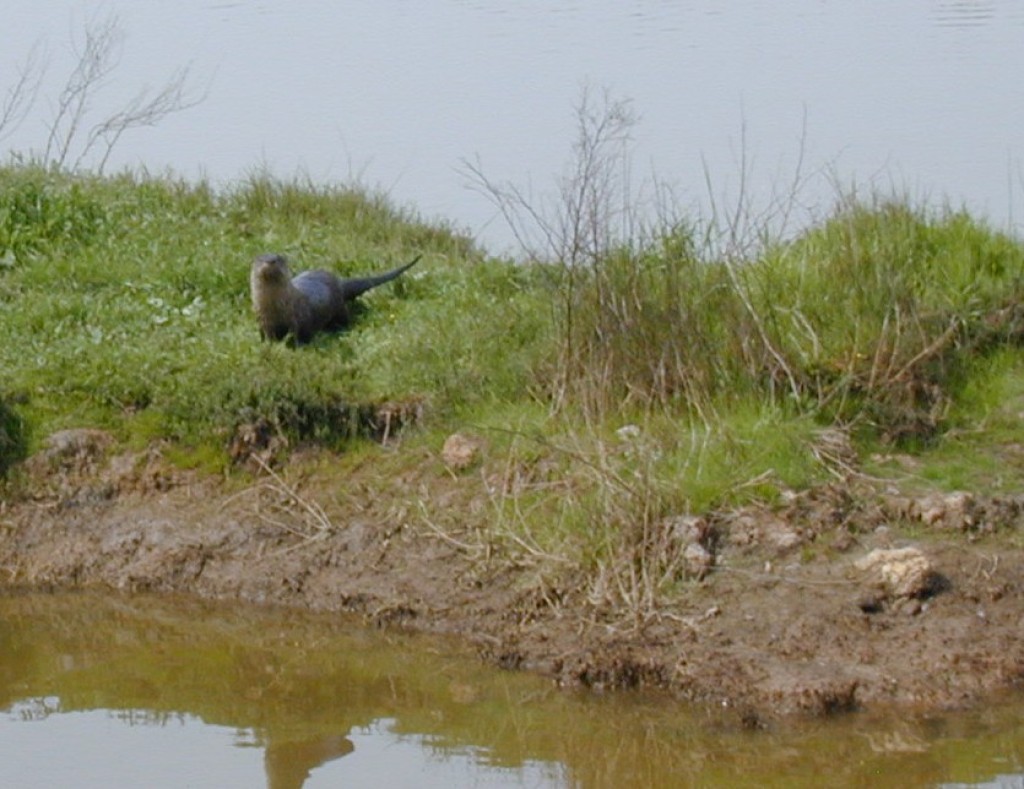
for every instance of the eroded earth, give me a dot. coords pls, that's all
(850, 596)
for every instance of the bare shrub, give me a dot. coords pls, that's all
(648, 316)
(74, 137)
(21, 95)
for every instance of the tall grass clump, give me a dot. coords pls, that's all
(643, 317)
(739, 362)
(349, 222)
(38, 213)
(870, 317)
(883, 309)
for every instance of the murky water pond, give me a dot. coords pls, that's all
(104, 691)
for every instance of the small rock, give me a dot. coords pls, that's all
(75, 450)
(753, 529)
(694, 538)
(628, 432)
(77, 443)
(461, 451)
(781, 537)
(698, 560)
(903, 572)
(948, 511)
(688, 528)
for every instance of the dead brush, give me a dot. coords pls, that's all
(513, 534)
(639, 558)
(582, 517)
(603, 531)
(651, 310)
(280, 506)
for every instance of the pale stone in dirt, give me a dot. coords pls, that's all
(760, 530)
(698, 560)
(687, 528)
(460, 451)
(947, 510)
(76, 443)
(905, 572)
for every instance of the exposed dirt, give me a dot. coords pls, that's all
(842, 598)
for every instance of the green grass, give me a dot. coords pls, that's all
(982, 449)
(128, 296)
(125, 306)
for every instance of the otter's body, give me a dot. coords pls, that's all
(314, 301)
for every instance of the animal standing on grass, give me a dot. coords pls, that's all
(296, 308)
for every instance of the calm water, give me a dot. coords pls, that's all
(109, 691)
(922, 96)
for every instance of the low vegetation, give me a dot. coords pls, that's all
(641, 381)
(621, 375)
(126, 306)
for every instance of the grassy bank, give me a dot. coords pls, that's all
(126, 306)
(637, 380)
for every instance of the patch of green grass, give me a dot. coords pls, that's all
(983, 450)
(748, 454)
(128, 296)
(880, 311)
(126, 306)
(599, 502)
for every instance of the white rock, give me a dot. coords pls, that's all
(905, 572)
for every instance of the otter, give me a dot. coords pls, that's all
(296, 308)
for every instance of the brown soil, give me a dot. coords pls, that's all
(845, 597)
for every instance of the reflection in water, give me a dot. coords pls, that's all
(113, 691)
(290, 762)
(182, 683)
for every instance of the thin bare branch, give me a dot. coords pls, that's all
(142, 110)
(22, 95)
(73, 136)
(96, 60)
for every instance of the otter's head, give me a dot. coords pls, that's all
(272, 296)
(270, 270)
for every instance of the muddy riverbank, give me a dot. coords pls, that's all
(852, 596)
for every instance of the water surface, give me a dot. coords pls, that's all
(102, 691)
(922, 96)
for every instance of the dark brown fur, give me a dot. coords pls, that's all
(299, 307)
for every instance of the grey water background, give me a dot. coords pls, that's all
(920, 97)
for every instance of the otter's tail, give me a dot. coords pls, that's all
(351, 288)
